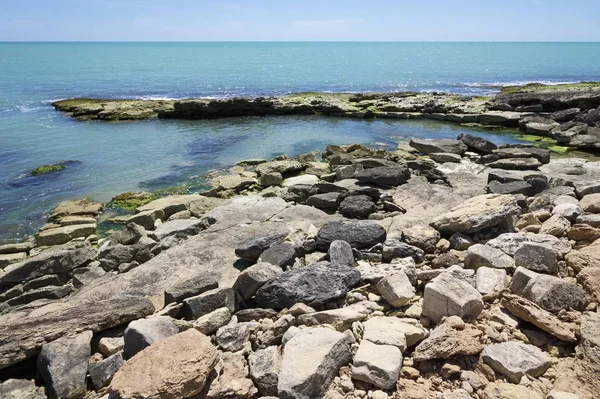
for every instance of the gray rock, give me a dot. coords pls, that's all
(568, 211)
(488, 280)
(397, 250)
(586, 188)
(359, 234)
(312, 285)
(513, 187)
(271, 179)
(179, 228)
(232, 337)
(327, 201)
(516, 359)
(591, 220)
(85, 275)
(131, 234)
(21, 389)
(51, 292)
(108, 346)
(9, 259)
(252, 278)
(510, 242)
(209, 301)
(384, 176)
(460, 241)
(113, 256)
(477, 143)
(311, 360)
(211, 322)
(188, 288)
(64, 234)
(341, 318)
(428, 146)
(480, 255)
(357, 207)
(253, 248)
(377, 364)
(63, 365)
(340, 253)
(396, 289)
(446, 295)
(443, 157)
(282, 255)
(537, 257)
(347, 171)
(147, 219)
(392, 331)
(265, 366)
(102, 372)
(283, 167)
(516, 164)
(142, 333)
(557, 226)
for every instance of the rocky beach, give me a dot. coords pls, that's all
(443, 269)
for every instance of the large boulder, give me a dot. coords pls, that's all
(313, 285)
(384, 175)
(516, 359)
(477, 143)
(359, 234)
(428, 146)
(477, 213)
(311, 360)
(142, 333)
(446, 295)
(174, 368)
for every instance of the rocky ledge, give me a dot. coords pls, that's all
(447, 269)
(569, 114)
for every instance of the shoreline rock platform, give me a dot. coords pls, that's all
(442, 269)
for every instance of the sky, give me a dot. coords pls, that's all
(300, 20)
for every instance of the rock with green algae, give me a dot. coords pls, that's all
(130, 201)
(44, 169)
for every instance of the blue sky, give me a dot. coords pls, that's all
(225, 20)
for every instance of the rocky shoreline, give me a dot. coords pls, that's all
(568, 114)
(444, 269)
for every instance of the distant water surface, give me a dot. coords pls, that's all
(116, 157)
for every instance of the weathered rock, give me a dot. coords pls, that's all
(443, 157)
(359, 234)
(423, 237)
(340, 253)
(209, 301)
(311, 359)
(231, 379)
(302, 179)
(21, 389)
(265, 366)
(488, 280)
(584, 257)
(589, 278)
(174, 368)
(396, 250)
(448, 340)
(281, 255)
(377, 364)
(63, 365)
(384, 175)
(516, 164)
(232, 337)
(271, 179)
(253, 248)
(235, 183)
(147, 219)
(341, 318)
(108, 346)
(252, 278)
(80, 207)
(102, 372)
(532, 313)
(211, 322)
(113, 256)
(9, 259)
(477, 213)
(312, 285)
(192, 287)
(22, 335)
(142, 333)
(503, 390)
(327, 201)
(180, 228)
(557, 226)
(477, 143)
(568, 211)
(283, 167)
(396, 289)
(427, 146)
(392, 331)
(479, 255)
(510, 242)
(516, 359)
(357, 207)
(347, 171)
(446, 295)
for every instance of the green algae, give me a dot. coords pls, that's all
(44, 169)
(533, 87)
(544, 142)
(130, 201)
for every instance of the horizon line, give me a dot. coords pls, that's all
(298, 41)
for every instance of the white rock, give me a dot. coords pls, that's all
(396, 289)
(488, 280)
(516, 359)
(379, 365)
(392, 331)
(446, 295)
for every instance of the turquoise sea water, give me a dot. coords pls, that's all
(117, 157)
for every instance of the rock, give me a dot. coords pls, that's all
(230, 379)
(252, 278)
(340, 253)
(176, 367)
(131, 234)
(510, 242)
(147, 219)
(513, 187)
(311, 285)
(540, 154)
(561, 395)
(516, 359)
(341, 318)
(396, 289)
(589, 278)
(179, 228)
(327, 201)
(532, 313)
(209, 301)
(102, 372)
(423, 237)
(377, 364)
(108, 346)
(347, 171)
(446, 295)
(516, 164)
(283, 167)
(357, 207)
(537, 257)
(503, 390)
(581, 258)
(583, 234)
(41, 293)
(64, 234)
(568, 211)
(359, 234)
(591, 220)
(63, 365)
(211, 322)
(271, 179)
(311, 359)
(586, 187)
(281, 255)
(189, 288)
(400, 250)
(21, 389)
(477, 143)
(443, 157)
(232, 337)
(447, 341)
(22, 335)
(591, 203)
(488, 280)
(557, 226)
(113, 256)
(302, 179)
(52, 261)
(384, 175)
(81, 207)
(460, 241)
(142, 333)
(480, 255)
(477, 213)
(253, 248)
(392, 331)
(235, 183)
(255, 314)
(426, 146)
(265, 366)
(8, 259)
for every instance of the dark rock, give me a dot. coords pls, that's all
(368, 163)
(522, 151)
(327, 202)
(255, 314)
(101, 372)
(359, 234)
(357, 207)
(253, 248)
(300, 192)
(516, 163)
(402, 250)
(140, 334)
(591, 117)
(63, 365)
(313, 285)
(131, 234)
(282, 255)
(51, 292)
(324, 188)
(209, 301)
(429, 146)
(515, 187)
(565, 114)
(370, 192)
(44, 281)
(111, 257)
(477, 143)
(340, 253)
(192, 287)
(252, 278)
(384, 175)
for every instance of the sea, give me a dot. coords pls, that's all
(105, 159)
